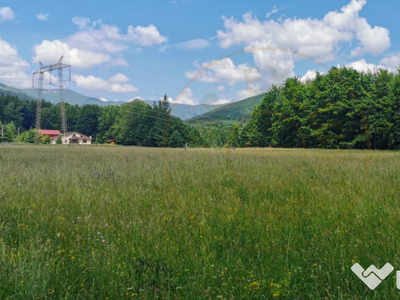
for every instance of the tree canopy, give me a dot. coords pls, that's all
(133, 123)
(342, 109)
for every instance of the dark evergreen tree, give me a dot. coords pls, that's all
(176, 140)
(160, 130)
(108, 123)
(233, 139)
(88, 120)
(135, 123)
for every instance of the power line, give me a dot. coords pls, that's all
(95, 88)
(43, 69)
(130, 98)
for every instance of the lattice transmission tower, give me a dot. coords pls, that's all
(43, 69)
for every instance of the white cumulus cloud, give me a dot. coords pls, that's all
(223, 70)
(277, 46)
(184, 97)
(43, 17)
(96, 43)
(6, 13)
(12, 67)
(145, 36)
(274, 65)
(364, 67)
(221, 102)
(373, 40)
(309, 76)
(392, 61)
(49, 52)
(107, 39)
(249, 92)
(116, 83)
(81, 22)
(317, 38)
(118, 78)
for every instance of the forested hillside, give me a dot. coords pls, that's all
(342, 109)
(182, 111)
(229, 114)
(133, 123)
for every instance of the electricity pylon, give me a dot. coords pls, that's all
(58, 66)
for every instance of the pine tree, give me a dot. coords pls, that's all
(233, 139)
(160, 130)
(9, 132)
(176, 140)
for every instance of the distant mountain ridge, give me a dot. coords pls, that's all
(8, 90)
(228, 114)
(182, 111)
(70, 97)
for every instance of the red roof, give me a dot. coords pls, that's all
(50, 132)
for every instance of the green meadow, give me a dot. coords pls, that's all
(131, 222)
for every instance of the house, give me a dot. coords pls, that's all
(76, 138)
(50, 133)
(53, 134)
(71, 137)
(111, 142)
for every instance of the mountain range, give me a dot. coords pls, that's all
(201, 114)
(182, 111)
(229, 114)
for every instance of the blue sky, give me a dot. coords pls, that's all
(194, 51)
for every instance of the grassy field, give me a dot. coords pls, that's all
(120, 222)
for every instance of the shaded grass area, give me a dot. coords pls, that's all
(116, 222)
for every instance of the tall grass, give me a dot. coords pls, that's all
(116, 222)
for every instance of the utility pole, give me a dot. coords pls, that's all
(43, 69)
(40, 90)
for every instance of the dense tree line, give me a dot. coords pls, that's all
(141, 124)
(341, 109)
(133, 123)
